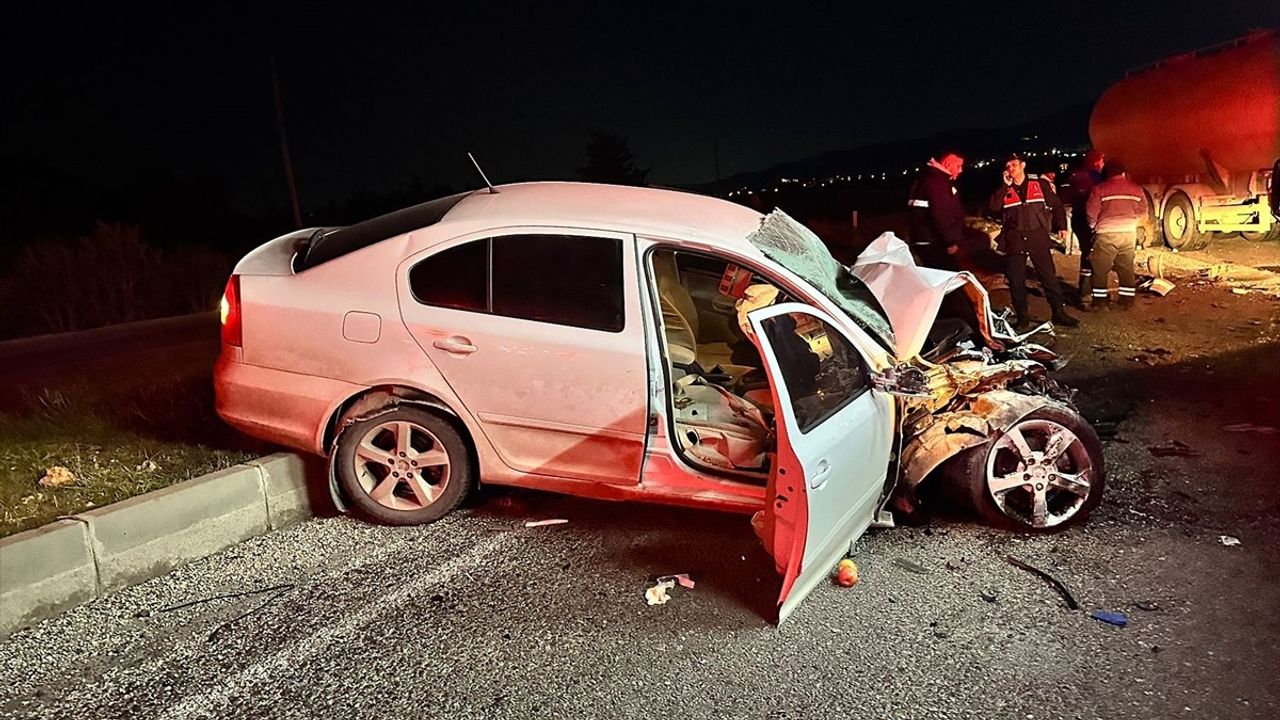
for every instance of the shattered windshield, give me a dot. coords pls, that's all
(795, 247)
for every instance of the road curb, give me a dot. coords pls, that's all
(51, 569)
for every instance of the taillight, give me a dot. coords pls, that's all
(230, 311)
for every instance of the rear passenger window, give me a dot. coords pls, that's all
(453, 278)
(561, 279)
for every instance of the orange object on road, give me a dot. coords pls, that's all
(847, 573)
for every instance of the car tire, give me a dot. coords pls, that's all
(408, 466)
(1049, 496)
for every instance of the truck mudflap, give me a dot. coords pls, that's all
(985, 418)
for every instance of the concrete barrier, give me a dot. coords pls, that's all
(284, 485)
(44, 572)
(51, 569)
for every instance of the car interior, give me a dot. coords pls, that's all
(721, 404)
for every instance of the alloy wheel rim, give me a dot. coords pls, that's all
(401, 465)
(1039, 473)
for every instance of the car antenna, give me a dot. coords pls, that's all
(483, 177)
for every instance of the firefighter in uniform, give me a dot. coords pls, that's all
(937, 218)
(1079, 184)
(1114, 209)
(1030, 210)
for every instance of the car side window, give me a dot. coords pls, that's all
(561, 279)
(454, 278)
(822, 371)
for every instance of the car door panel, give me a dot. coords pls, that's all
(834, 434)
(553, 399)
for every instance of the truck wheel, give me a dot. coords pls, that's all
(1043, 474)
(408, 466)
(1263, 235)
(1179, 224)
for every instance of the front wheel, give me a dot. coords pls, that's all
(404, 467)
(1043, 474)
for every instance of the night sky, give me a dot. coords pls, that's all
(376, 96)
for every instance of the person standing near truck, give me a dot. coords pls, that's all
(1079, 184)
(1030, 210)
(1114, 209)
(937, 218)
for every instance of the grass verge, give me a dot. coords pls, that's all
(113, 450)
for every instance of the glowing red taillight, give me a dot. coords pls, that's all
(230, 312)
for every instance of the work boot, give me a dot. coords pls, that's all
(1060, 317)
(1124, 302)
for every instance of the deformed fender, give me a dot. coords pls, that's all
(367, 406)
(951, 433)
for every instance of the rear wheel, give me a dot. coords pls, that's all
(404, 467)
(1181, 231)
(1270, 234)
(1043, 474)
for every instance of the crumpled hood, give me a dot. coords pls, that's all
(912, 295)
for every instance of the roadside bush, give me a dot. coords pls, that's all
(109, 276)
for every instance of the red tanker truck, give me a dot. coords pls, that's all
(1201, 133)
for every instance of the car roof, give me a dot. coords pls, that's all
(646, 211)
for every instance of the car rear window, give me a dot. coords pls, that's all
(329, 243)
(561, 279)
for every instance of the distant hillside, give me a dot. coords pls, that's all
(1064, 130)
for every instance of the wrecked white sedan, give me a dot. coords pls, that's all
(643, 344)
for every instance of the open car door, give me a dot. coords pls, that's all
(834, 433)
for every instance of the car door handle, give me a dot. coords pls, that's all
(821, 474)
(456, 344)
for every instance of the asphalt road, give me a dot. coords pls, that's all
(477, 616)
(109, 362)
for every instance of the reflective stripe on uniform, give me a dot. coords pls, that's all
(1034, 199)
(918, 203)
(1099, 292)
(1128, 291)
(1134, 198)
(1086, 271)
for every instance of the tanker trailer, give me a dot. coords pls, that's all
(1201, 133)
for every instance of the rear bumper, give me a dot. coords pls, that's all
(281, 407)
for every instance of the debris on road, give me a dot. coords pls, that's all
(226, 596)
(955, 565)
(1146, 605)
(847, 573)
(544, 523)
(1250, 427)
(1118, 619)
(681, 579)
(1057, 584)
(657, 595)
(910, 566)
(1158, 286)
(1173, 448)
(56, 476)
(147, 465)
(987, 595)
(1229, 540)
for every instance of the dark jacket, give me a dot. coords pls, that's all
(1079, 184)
(1031, 209)
(937, 217)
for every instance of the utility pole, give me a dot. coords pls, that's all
(284, 146)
